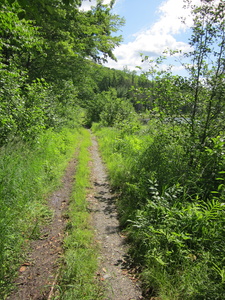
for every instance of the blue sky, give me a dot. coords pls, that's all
(151, 27)
(137, 16)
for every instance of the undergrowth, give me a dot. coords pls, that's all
(28, 172)
(171, 206)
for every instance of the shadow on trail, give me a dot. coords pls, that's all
(107, 198)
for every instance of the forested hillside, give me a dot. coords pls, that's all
(162, 138)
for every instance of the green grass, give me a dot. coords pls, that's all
(80, 257)
(176, 234)
(28, 173)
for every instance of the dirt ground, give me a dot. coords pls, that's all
(38, 275)
(118, 281)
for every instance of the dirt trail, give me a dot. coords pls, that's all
(38, 274)
(118, 283)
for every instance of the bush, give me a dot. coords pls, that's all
(108, 109)
(173, 209)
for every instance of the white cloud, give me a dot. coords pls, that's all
(154, 40)
(87, 4)
(170, 22)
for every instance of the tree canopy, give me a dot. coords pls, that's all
(48, 44)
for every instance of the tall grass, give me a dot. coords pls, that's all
(28, 172)
(175, 229)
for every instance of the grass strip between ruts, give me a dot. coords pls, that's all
(80, 257)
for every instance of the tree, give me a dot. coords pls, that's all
(19, 39)
(207, 79)
(70, 35)
(49, 44)
(207, 71)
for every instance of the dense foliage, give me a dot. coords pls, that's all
(174, 215)
(170, 172)
(45, 51)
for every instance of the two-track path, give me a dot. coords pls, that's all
(38, 275)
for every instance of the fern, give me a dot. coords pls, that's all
(211, 209)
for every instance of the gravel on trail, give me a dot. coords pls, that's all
(118, 282)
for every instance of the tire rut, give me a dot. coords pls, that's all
(38, 275)
(119, 285)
